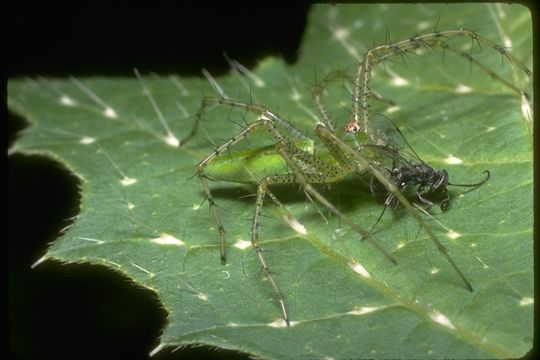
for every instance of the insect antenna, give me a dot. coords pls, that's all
(378, 219)
(446, 202)
(488, 175)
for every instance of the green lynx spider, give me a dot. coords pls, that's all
(290, 159)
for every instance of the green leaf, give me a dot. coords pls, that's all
(141, 211)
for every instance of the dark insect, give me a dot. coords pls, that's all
(408, 171)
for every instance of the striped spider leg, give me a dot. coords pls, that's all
(437, 39)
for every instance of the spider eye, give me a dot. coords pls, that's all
(352, 127)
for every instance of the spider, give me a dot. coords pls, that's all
(291, 158)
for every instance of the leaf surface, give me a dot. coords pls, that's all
(142, 210)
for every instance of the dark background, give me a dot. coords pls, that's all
(83, 311)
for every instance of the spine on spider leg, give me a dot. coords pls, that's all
(483, 40)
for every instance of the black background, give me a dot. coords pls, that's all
(83, 311)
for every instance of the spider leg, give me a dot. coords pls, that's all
(262, 190)
(269, 120)
(255, 108)
(439, 39)
(320, 87)
(317, 96)
(204, 179)
(391, 187)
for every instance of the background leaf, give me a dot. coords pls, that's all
(136, 187)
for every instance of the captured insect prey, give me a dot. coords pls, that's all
(338, 149)
(407, 170)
